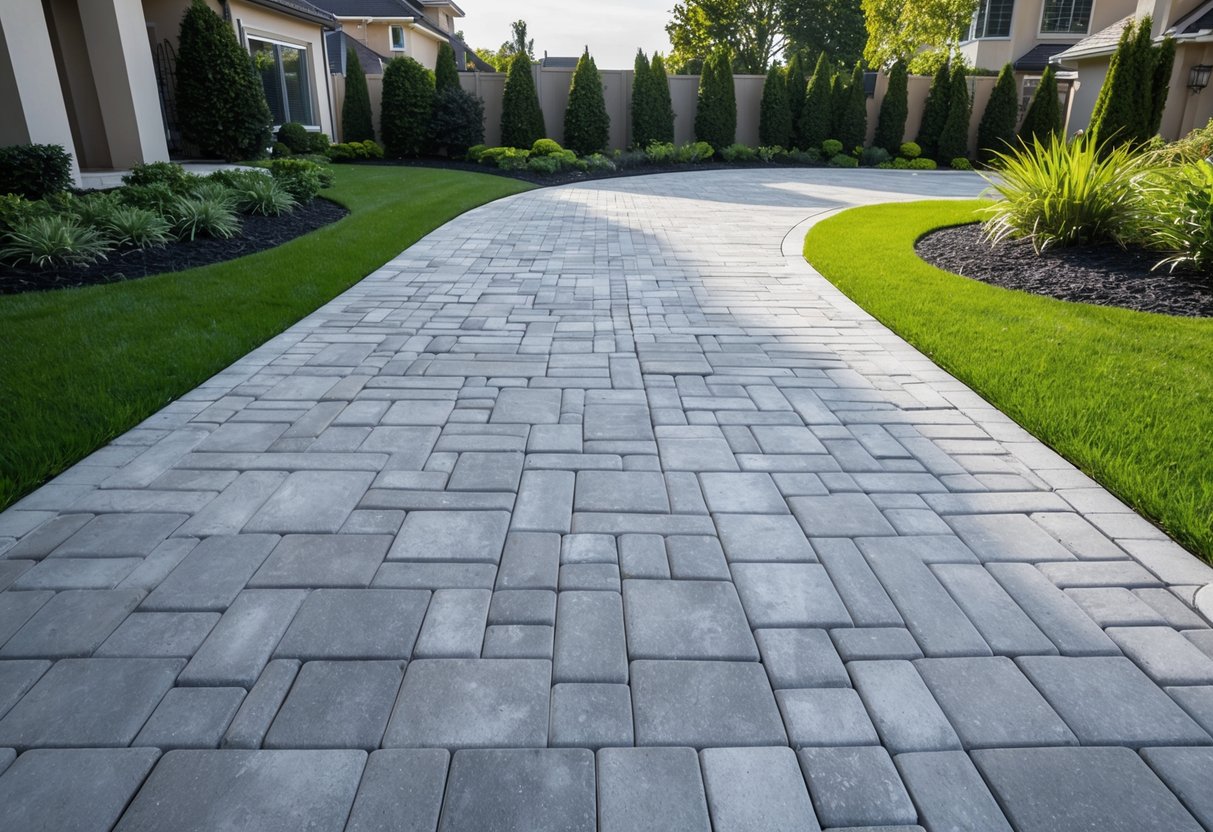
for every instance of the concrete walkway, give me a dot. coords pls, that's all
(597, 508)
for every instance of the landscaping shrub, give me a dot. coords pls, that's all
(221, 105)
(16, 210)
(545, 147)
(814, 125)
(136, 227)
(54, 241)
(587, 127)
(475, 152)
(808, 156)
(831, 147)
(894, 110)
(768, 153)
(521, 117)
(301, 178)
(319, 143)
(279, 151)
(296, 137)
(996, 132)
(1178, 215)
(738, 153)
(1063, 193)
(155, 197)
(853, 119)
(838, 101)
(901, 163)
(935, 112)
(695, 152)
(177, 178)
(210, 190)
(909, 150)
(644, 102)
(716, 108)
(191, 217)
(457, 121)
(408, 101)
(954, 137)
(543, 164)
(1193, 147)
(1043, 118)
(921, 164)
(842, 160)
(661, 153)
(34, 170)
(446, 74)
(356, 121)
(874, 156)
(512, 159)
(775, 117)
(961, 163)
(794, 92)
(350, 151)
(1134, 92)
(262, 195)
(664, 121)
(94, 208)
(598, 162)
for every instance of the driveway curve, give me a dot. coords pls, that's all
(598, 509)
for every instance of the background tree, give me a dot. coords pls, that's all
(775, 118)
(221, 104)
(457, 122)
(518, 44)
(954, 137)
(835, 27)
(795, 83)
(894, 109)
(664, 123)
(815, 118)
(923, 33)
(408, 101)
(853, 121)
(716, 109)
(356, 124)
(446, 75)
(644, 104)
(521, 117)
(587, 127)
(1043, 118)
(1130, 103)
(751, 31)
(996, 132)
(935, 112)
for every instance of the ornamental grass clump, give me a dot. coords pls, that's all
(54, 241)
(1178, 215)
(136, 227)
(192, 217)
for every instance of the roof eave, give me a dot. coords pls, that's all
(320, 17)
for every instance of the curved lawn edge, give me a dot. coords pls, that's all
(82, 366)
(1126, 396)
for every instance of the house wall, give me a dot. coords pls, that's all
(1187, 110)
(994, 53)
(419, 44)
(77, 84)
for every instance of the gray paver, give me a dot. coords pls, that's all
(1003, 625)
(356, 624)
(825, 717)
(756, 790)
(191, 718)
(237, 650)
(1002, 537)
(902, 708)
(763, 537)
(1058, 617)
(84, 790)
(454, 624)
(839, 515)
(1164, 654)
(1198, 702)
(875, 643)
(401, 789)
(651, 790)
(949, 792)
(686, 620)
(72, 624)
(520, 790)
(621, 491)
(476, 536)
(212, 574)
(789, 595)
(119, 536)
(591, 716)
(311, 501)
(1187, 772)
(337, 705)
(856, 787)
(308, 561)
(252, 721)
(17, 677)
(797, 658)
(590, 644)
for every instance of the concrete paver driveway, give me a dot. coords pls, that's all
(598, 509)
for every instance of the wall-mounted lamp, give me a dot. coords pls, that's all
(1198, 77)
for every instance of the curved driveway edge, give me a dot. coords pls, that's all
(598, 508)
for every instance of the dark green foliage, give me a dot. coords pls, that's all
(954, 137)
(832, 26)
(775, 119)
(815, 119)
(356, 125)
(446, 74)
(935, 111)
(894, 109)
(1134, 94)
(34, 170)
(408, 101)
(295, 136)
(1043, 117)
(996, 133)
(652, 116)
(521, 117)
(716, 110)
(457, 122)
(1164, 63)
(177, 178)
(795, 83)
(839, 91)
(587, 127)
(221, 105)
(853, 120)
(665, 106)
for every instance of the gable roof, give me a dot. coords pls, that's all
(338, 43)
(1037, 58)
(1198, 21)
(1101, 43)
(299, 8)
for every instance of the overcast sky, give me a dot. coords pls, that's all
(613, 29)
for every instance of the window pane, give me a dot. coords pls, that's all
(993, 19)
(398, 37)
(294, 74)
(1066, 16)
(265, 58)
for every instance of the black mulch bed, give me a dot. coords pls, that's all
(569, 176)
(1106, 275)
(257, 233)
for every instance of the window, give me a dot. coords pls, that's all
(993, 19)
(397, 38)
(285, 74)
(1066, 17)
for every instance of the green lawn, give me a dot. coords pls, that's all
(1126, 396)
(81, 366)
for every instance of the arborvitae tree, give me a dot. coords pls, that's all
(794, 85)
(716, 110)
(954, 137)
(1043, 118)
(894, 109)
(446, 74)
(663, 126)
(220, 100)
(644, 103)
(408, 101)
(587, 127)
(815, 125)
(996, 132)
(1134, 94)
(1164, 63)
(839, 91)
(521, 117)
(853, 123)
(775, 120)
(356, 125)
(935, 112)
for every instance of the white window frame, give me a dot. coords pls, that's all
(393, 29)
(972, 33)
(1040, 27)
(306, 48)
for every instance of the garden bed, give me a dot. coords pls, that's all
(257, 233)
(1106, 275)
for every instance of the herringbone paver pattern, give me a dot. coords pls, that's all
(598, 509)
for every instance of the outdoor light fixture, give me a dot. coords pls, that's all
(1198, 77)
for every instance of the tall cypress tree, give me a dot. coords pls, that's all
(996, 132)
(643, 102)
(815, 125)
(795, 83)
(1164, 63)
(853, 122)
(1134, 94)
(954, 137)
(664, 122)
(1043, 118)
(716, 109)
(408, 103)
(587, 127)
(446, 74)
(356, 124)
(894, 109)
(775, 119)
(521, 118)
(935, 112)
(839, 90)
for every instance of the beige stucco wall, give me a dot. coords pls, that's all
(994, 53)
(76, 83)
(420, 44)
(1187, 110)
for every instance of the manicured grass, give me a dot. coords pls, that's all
(80, 366)
(1126, 396)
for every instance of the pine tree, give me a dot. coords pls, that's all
(954, 137)
(775, 119)
(795, 83)
(521, 118)
(446, 75)
(716, 109)
(853, 123)
(838, 102)
(664, 121)
(356, 124)
(1043, 118)
(221, 105)
(587, 127)
(643, 101)
(935, 112)
(894, 109)
(1131, 102)
(815, 125)
(996, 132)
(408, 101)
